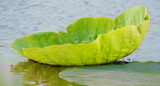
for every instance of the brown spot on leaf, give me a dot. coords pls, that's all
(103, 79)
(85, 76)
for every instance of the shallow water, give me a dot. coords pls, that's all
(21, 17)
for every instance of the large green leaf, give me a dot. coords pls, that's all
(82, 30)
(38, 40)
(132, 16)
(88, 40)
(119, 74)
(87, 29)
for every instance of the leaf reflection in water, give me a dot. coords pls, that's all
(40, 74)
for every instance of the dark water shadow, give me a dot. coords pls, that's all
(36, 74)
(140, 67)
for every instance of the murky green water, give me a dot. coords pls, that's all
(21, 17)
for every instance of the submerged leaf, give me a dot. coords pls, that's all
(88, 40)
(132, 74)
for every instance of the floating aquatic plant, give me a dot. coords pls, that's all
(88, 41)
